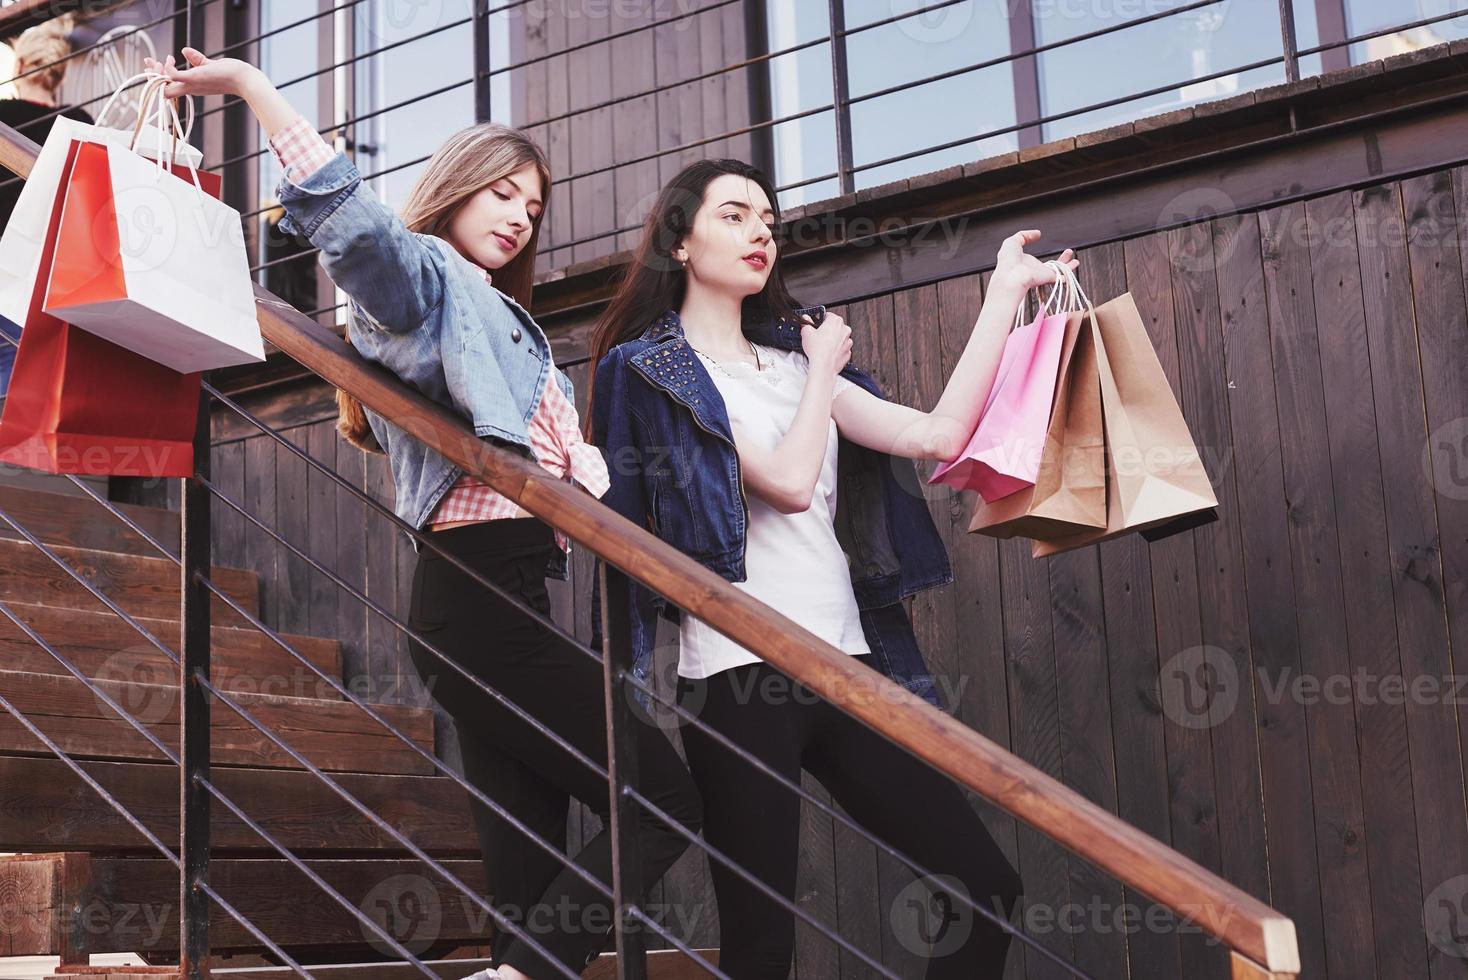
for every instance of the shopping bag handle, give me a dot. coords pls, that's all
(1019, 311)
(168, 113)
(152, 77)
(164, 117)
(1075, 298)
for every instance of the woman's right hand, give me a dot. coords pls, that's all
(828, 346)
(205, 75)
(227, 76)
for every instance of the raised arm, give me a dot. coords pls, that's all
(942, 433)
(393, 275)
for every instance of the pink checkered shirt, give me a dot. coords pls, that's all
(555, 430)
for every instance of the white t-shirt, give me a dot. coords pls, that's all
(793, 561)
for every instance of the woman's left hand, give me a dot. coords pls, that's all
(1020, 271)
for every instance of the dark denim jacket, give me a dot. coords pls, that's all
(683, 482)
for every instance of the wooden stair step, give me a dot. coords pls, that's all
(47, 807)
(662, 964)
(334, 735)
(75, 904)
(130, 972)
(141, 586)
(80, 522)
(102, 645)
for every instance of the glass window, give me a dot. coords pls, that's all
(926, 43)
(1186, 46)
(1365, 16)
(285, 57)
(1190, 56)
(805, 148)
(441, 53)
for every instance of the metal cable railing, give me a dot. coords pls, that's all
(202, 679)
(844, 105)
(397, 623)
(117, 709)
(526, 490)
(126, 814)
(427, 539)
(642, 686)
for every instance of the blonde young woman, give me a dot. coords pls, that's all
(422, 306)
(36, 80)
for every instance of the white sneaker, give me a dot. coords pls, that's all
(489, 974)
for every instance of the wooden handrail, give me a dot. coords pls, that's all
(1261, 938)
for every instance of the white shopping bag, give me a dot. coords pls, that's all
(24, 235)
(147, 260)
(150, 262)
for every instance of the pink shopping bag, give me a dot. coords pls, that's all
(1003, 455)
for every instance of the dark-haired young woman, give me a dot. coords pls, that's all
(732, 417)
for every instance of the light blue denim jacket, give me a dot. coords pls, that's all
(426, 313)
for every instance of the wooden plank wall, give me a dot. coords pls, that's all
(1332, 422)
(612, 59)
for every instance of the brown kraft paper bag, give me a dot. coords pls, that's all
(1154, 471)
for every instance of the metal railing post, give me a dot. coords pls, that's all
(483, 99)
(841, 95)
(1287, 40)
(194, 552)
(761, 108)
(627, 884)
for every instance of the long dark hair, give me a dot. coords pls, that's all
(654, 281)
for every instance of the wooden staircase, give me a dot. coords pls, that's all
(83, 881)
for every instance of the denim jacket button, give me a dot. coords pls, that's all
(515, 335)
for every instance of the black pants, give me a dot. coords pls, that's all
(906, 803)
(517, 766)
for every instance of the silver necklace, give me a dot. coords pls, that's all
(758, 365)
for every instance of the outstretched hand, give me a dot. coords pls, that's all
(1021, 271)
(204, 76)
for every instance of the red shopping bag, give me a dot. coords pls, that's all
(80, 404)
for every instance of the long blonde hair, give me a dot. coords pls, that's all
(470, 160)
(44, 44)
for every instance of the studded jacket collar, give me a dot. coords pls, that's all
(683, 481)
